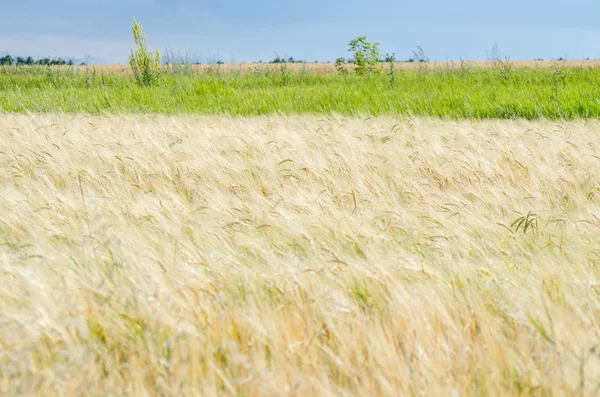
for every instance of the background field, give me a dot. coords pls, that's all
(329, 68)
(313, 255)
(497, 90)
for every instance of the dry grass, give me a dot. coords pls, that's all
(298, 256)
(327, 68)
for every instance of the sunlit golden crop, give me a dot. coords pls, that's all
(298, 256)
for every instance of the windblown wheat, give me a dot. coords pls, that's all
(146, 255)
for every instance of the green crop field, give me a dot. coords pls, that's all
(454, 93)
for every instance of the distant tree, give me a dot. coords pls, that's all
(47, 61)
(389, 58)
(339, 65)
(57, 62)
(7, 60)
(278, 59)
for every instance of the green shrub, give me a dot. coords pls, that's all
(366, 55)
(145, 66)
(339, 65)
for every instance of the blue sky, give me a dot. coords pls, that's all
(233, 30)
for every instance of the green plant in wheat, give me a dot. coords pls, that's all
(502, 65)
(340, 66)
(366, 55)
(559, 79)
(390, 59)
(285, 76)
(144, 64)
(525, 222)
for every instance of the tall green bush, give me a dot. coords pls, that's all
(145, 65)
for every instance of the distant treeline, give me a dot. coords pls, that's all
(169, 58)
(386, 59)
(8, 60)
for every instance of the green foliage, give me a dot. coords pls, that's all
(8, 60)
(560, 78)
(285, 76)
(145, 66)
(467, 92)
(340, 65)
(525, 222)
(502, 65)
(465, 68)
(279, 59)
(366, 55)
(178, 64)
(391, 59)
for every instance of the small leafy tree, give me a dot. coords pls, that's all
(145, 65)
(6, 60)
(339, 65)
(366, 55)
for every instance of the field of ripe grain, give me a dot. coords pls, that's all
(298, 256)
(328, 68)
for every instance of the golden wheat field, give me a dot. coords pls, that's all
(298, 256)
(329, 68)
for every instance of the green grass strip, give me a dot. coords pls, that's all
(445, 93)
